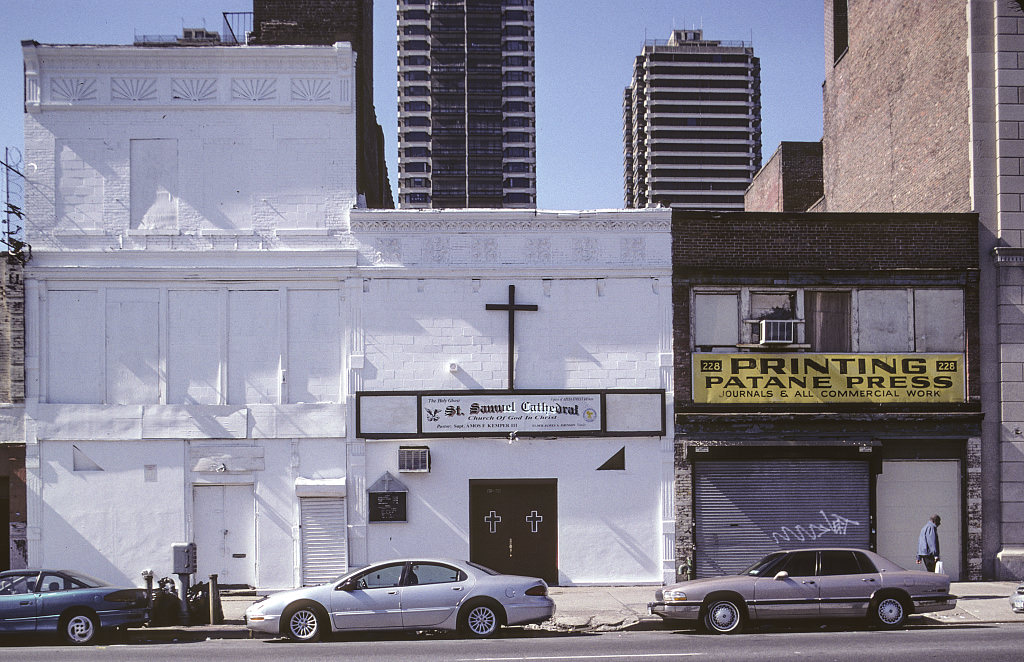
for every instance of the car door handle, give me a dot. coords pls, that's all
(392, 592)
(456, 588)
(867, 579)
(806, 582)
(26, 603)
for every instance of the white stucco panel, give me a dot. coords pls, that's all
(387, 414)
(226, 459)
(194, 422)
(634, 412)
(297, 421)
(111, 422)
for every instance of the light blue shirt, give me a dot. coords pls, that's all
(928, 541)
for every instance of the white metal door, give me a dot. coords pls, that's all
(225, 533)
(324, 539)
(908, 492)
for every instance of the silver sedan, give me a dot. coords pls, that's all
(816, 584)
(422, 594)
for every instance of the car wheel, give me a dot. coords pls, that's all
(724, 617)
(79, 629)
(479, 621)
(304, 622)
(889, 612)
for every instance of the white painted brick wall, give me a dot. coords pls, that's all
(281, 162)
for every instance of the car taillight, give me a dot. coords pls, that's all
(539, 589)
(129, 595)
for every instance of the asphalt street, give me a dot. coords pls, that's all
(974, 643)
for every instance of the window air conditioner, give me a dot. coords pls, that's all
(414, 459)
(777, 332)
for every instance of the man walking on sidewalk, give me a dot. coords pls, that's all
(928, 543)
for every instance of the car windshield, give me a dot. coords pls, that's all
(86, 581)
(483, 568)
(764, 565)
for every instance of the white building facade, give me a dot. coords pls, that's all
(206, 317)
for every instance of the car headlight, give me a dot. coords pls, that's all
(675, 595)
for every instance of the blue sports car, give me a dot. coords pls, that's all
(69, 603)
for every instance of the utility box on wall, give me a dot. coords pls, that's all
(184, 554)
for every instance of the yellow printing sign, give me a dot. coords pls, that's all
(827, 378)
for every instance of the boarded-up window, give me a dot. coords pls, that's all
(883, 321)
(132, 335)
(314, 346)
(194, 347)
(716, 320)
(154, 183)
(74, 353)
(938, 321)
(827, 325)
(254, 347)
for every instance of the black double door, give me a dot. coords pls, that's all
(513, 526)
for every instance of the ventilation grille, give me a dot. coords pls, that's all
(413, 459)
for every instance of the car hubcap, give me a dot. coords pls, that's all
(80, 628)
(303, 624)
(723, 616)
(890, 611)
(482, 620)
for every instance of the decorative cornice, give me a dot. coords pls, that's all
(1008, 256)
(101, 77)
(512, 226)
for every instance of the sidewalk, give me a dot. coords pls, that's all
(610, 608)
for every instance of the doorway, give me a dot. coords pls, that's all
(224, 529)
(513, 526)
(908, 493)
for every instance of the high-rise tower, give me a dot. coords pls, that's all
(466, 116)
(692, 123)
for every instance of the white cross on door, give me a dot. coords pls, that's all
(492, 520)
(534, 519)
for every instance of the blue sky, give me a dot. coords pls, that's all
(585, 54)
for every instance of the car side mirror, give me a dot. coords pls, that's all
(346, 585)
(782, 574)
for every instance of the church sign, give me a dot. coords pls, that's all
(576, 412)
(485, 413)
(755, 378)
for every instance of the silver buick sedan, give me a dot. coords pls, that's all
(421, 594)
(817, 584)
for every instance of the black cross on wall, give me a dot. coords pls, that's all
(511, 307)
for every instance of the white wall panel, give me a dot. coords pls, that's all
(132, 346)
(194, 347)
(74, 346)
(254, 347)
(314, 346)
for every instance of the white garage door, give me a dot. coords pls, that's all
(908, 492)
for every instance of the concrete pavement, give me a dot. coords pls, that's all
(609, 608)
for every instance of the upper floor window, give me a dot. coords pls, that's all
(840, 29)
(855, 320)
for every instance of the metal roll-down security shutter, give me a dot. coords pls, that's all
(746, 509)
(324, 539)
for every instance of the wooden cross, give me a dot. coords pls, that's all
(511, 307)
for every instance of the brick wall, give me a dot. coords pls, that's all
(826, 249)
(790, 181)
(793, 241)
(896, 131)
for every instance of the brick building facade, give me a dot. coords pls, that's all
(789, 181)
(872, 290)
